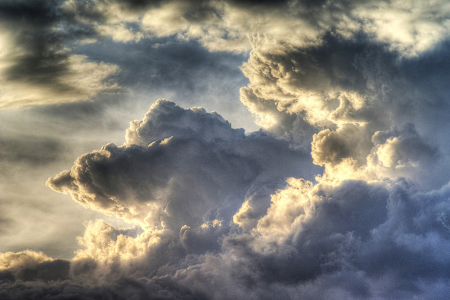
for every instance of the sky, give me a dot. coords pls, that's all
(224, 149)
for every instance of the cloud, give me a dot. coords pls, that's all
(235, 25)
(37, 66)
(41, 65)
(35, 151)
(178, 167)
(404, 26)
(343, 94)
(32, 266)
(218, 213)
(353, 240)
(217, 220)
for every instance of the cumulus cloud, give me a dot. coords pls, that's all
(344, 94)
(179, 167)
(343, 90)
(352, 239)
(356, 240)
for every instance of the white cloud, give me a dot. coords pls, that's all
(178, 167)
(408, 27)
(213, 208)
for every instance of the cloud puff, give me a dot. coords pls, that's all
(353, 151)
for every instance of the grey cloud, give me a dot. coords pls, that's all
(396, 87)
(313, 245)
(356, 228)
(306, 81)
(355, 83)
(45, 58)
(405, 147)
(41, 66)
(46, 271)
(32, 266)
(30, 149)
(291, 127)
(218, 219)
(36, 13)
(352, 240)
(191, 164)
(165, 62)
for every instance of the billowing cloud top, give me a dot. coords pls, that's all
(342, 194)
(179, 167)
